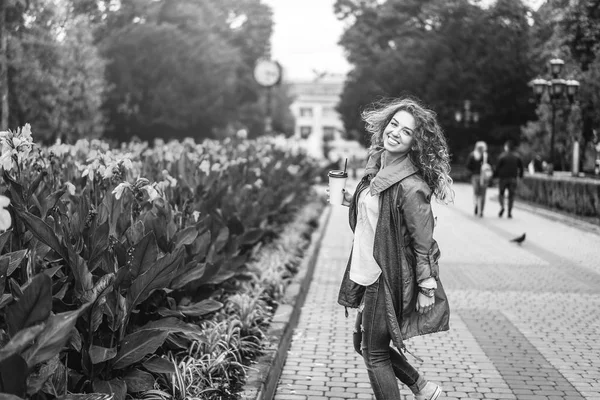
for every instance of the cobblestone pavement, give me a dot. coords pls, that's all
(525, 319)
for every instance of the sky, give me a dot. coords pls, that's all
(305, 37)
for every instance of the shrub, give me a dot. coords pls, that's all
(579, 196)
(115, 255)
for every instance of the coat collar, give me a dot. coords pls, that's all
(391, 174)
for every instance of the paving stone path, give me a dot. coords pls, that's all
(525, 319)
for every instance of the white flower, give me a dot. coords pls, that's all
(70, 188)
(196, 215)
(6, 160)
(118, 191)
(293, 169)
(205, 166)
(5, 220)
(172, 182)
(152, 193)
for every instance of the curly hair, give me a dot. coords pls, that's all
(429, 150)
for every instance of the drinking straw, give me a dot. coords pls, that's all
(345, 165)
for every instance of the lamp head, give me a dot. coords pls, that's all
(539, 85)
(556, 66)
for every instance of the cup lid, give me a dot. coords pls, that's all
(337, 173)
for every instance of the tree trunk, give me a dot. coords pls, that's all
(3, 68)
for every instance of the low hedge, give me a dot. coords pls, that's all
(580, 196)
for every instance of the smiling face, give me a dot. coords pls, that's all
(399, 133)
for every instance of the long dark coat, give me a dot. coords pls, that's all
(406, 253)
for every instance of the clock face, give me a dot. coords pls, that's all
(267, 72)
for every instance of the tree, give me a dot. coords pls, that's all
(444, 52)
(54, 76)
(182, 68)
(582, 27)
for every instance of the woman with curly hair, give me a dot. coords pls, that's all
(392, 276)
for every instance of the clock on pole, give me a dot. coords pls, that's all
(267, 73)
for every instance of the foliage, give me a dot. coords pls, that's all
(439, 51)
(576, 196)
(56, 76)
(203, 85)
(104, 268)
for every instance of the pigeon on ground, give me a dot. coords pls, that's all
(519, 239)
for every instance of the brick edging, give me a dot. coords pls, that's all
(262, 378)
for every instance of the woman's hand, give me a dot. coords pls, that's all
(424, 303)
(346, 201)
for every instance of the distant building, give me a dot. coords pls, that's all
(317, 121)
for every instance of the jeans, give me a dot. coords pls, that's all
(511, 185)
(479, 189)
(372, 341)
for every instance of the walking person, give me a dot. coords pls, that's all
(508, 170)
(392, 276)
(481, 173)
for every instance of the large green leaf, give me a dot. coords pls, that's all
(51, 200)
(201, 308)
(41, 374)
(251, 236)
(135, 232)
(100, 354)
(82, 275)
(6, 396)
(33, 307)
(19, 342)
(4, 238)
(200, 246)
(143, 256)
(4, 265)
(116, 387)
(185, 237)
(35, 184)
(99, 241)
(42, 231)
(137, 345)
(221, 239)
(15, 259)
(191, 272)
(86, 396)
(13, 375)
(158, 276)
(159, 366)
(171, 325)
(54, 336)
(139, 381)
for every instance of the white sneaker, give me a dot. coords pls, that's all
(431, 391)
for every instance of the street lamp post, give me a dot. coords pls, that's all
(467, 115)
(557, 88)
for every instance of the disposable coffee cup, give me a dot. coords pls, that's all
(337, 182)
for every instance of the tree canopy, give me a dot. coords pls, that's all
(149, 68)
(443, 52)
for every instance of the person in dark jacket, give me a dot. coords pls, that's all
(509, 169)
(477, 165)
(392, 276)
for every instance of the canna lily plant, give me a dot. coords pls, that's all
(102, 272)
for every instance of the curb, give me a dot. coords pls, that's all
(262, 379)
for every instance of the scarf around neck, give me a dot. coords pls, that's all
(386, 172)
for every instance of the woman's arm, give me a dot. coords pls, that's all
(418, 216)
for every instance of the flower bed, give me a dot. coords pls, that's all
(122, 267)
(580, 196)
